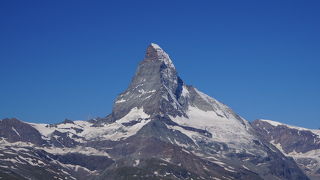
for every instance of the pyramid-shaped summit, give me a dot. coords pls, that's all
(170, 111)
(155, 52)
(155, 88)
(159, 128)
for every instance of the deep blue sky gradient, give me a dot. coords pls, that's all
(70, 59)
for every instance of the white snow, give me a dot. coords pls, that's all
(134, 114)
(33, 162)
(246, 167)
(148, 96)
(190, 134)
(224, 125)
(15, 131)
(167, 159)
(215, 178)
(142, 91)
(76, 167)
(14, 161)
(223, 129)
(278, 146)
(20, 147)
(45, 131)
(114, 131)
(275, 123)
(176, 103)
(156, 46)
(121, 101)
(78, 149)
(313, 154)
(163, 55)
(185, 92)
(136, 162)
(186, 151)
(229, 168)
(19, 144)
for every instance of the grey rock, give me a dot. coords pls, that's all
(15, 130)
(160, 149)
(293, 140)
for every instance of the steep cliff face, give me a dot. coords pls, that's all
(159, 128)
(302, 144)
(155, 88)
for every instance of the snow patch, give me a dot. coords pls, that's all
(121, 101)
(136, 163)
(15, 131)
(43, 129)
(185, 92)
(114, 131)
(163, 56)
(156, 46)
(79, 149)
(274, 123)
(223, 129)
(134, 114)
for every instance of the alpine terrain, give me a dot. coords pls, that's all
(159, 128)
(299, 143)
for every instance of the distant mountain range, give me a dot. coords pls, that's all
(159, 128)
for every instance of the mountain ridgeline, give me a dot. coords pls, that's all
(299, 143)
(159, 128)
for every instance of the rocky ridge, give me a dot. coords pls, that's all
(159, 128)
(302, 144)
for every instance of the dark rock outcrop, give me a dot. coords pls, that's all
(14, 130)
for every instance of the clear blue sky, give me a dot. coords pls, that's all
(69, 59)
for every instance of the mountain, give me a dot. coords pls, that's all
(299, 143)
(159, 128)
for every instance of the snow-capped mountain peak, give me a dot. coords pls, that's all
(155, 87)
(155, 52)
(159, 128)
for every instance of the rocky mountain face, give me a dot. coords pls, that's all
(159, 128)
(299, 143)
